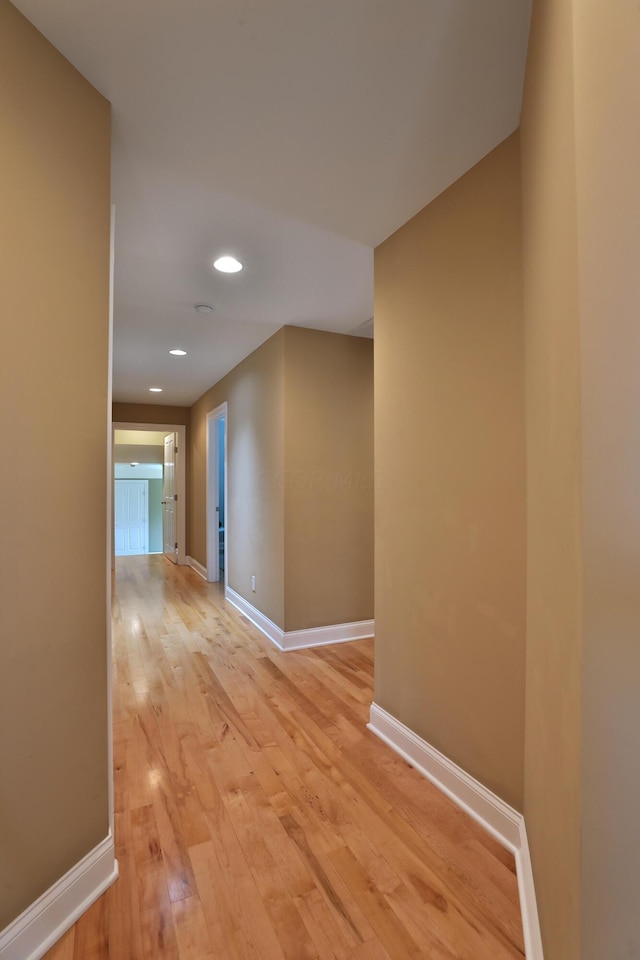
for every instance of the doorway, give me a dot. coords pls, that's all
(139, 449)
(137, 506)
(169, 497)
(217, 500)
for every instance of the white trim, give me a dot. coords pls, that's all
(213, 496)
(300, 639)
(198, 567)
(35, 931)
(504, 823)
(181, 473)
(268, 627)
(336, 633)
(501, 820)
(110, 525)
(528, 903)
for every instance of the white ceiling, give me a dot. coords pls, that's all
(296, 134)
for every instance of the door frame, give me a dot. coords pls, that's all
(181, 474)
(213, 494)
(144, 480)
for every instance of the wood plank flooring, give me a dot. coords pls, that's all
(256, 816)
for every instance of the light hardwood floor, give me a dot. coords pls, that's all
(258, 819)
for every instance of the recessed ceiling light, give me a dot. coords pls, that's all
(227, 265)
(178, 353)
(155, 389)
(203, 308)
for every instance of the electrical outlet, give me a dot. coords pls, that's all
(253, 583)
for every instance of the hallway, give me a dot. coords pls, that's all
(256, 817)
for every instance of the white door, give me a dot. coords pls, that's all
(169, 498)
(131, 517)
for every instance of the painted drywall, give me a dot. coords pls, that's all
(150, 413)
(138, 453)
(54, 301)
(450, 469)
(150, 438)
(254, 392)
(554, 561)
(300, 478)
(328, 479)
(607, 137)
(139, 446)
(582, 290)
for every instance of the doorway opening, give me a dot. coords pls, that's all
(148, 490)
(217, 501)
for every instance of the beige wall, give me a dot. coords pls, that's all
(138, 453)
(581, 154)
(328, 478)
(450, 506)
(150, 413)
(54, 297)
(254, 391)
(554, 580)
(300, 473)
(607, 133)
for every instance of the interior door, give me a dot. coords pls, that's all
(169, 498)
(131, 517)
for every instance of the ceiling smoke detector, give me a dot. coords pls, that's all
(203, 308)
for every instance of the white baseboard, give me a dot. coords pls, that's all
(528, 903)
(501, 820)
(198, 567)
(258, 619)
(300, 639)
(35, 931)
(497, 817)
(336, 633)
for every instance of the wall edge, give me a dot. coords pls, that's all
(505, 824)
(35, 931)
(287, 640)
(199, 568)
